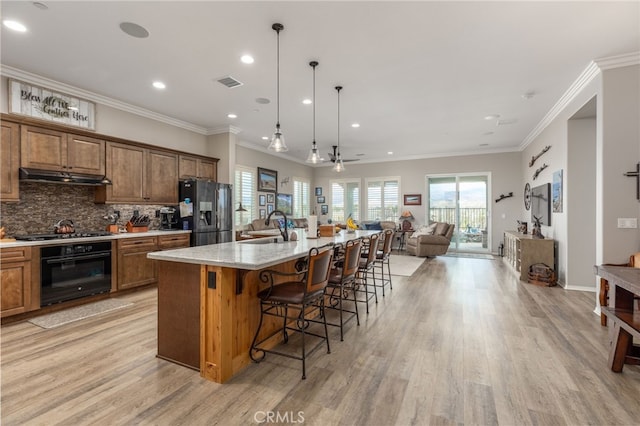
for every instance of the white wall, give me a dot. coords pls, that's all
(617, 139)
(285, 168)
(505, 172)
(114, 122)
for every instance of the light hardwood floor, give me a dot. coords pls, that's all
(462, 341)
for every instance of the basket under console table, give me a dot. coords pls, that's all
(522, 250)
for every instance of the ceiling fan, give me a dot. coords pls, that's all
(334, 154)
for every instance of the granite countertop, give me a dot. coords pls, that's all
(91, 239)
(253, 254)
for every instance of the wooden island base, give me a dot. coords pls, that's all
(207, 316)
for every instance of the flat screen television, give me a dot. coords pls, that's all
(541, 204)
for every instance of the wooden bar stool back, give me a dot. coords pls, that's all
(365, 269)
(342, 279)
(305, 295)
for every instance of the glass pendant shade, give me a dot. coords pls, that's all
(339, 165)
(314, 155)
(277, 141)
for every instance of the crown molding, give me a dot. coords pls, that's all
(223, 129)
(31, 78)
(593, 69)
(618, 61)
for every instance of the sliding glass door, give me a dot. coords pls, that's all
(461, 199)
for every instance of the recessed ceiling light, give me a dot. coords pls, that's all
(247, 59)
(262, 101)
(265, 138)
(492, 117)
(159, 85)
(528, 95)
(14, 25)
(40, 5)
(73, 108)
(134, 30)
(232, 116)
(307, 101)
(360, 155)
(484, 144)
(390, 152)
(355, 125)
(487, 133)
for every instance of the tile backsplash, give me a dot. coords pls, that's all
(41, 205)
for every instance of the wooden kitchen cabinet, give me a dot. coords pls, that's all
(134, 268)
(18, 292)
(195, 167)
(49, 149)
(139, 175)
(161, 185)
(173, 241)
(9, 161)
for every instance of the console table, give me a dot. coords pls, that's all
(522, 250)
(624, 284)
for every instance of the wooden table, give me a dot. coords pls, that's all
(624, 283)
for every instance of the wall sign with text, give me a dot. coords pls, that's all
(38, 102)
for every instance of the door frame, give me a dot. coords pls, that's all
(455, 244)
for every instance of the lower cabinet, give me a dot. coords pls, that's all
(168, 242)
(17, 292)
(134, 269)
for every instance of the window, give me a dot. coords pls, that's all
(300, 197)
(383, 198)
(345, 200)
(245, 190)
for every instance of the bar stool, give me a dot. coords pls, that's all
(382, 258)
(307, 291)
(365, 268)
(342, 279)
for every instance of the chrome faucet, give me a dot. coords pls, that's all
(285, 234)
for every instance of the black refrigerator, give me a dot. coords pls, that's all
(206, 209)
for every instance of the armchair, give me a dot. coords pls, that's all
(431, 241)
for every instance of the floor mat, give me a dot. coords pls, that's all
(56, 319)
(404, 265)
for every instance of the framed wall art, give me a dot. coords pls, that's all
(318, 191)
(270, 198)
(262, 200)
(284, 203)
(320, 200)
(267, 180)
(412, 199)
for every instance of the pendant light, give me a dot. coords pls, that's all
(314, 156)
(277, 140)
(339, 165)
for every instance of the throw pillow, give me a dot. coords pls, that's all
(441, 228)
(374, 226)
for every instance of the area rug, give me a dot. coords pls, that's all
(56, 319)
(404, 265)
(472, 255)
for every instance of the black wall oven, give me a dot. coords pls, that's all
(71, 271)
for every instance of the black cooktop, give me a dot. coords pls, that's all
(43, 237)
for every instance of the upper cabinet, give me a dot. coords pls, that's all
(55, 150)
(9, 161)
(139, 175)
(196, 167)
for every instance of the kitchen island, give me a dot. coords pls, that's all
(208, 310)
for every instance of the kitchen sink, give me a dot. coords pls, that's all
(264, 240)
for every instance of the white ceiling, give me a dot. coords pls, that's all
(419, 77)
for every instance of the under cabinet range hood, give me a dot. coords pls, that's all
(37, 175)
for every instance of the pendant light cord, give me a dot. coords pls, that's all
(314, 102)
(278, 79)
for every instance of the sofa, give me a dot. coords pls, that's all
(259, 225)
(432, 240)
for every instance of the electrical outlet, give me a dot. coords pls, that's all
(627, 222)
(136, 213)
(157, 213)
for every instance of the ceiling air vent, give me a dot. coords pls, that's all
(229, 81)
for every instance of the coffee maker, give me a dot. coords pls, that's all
(168, 218)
